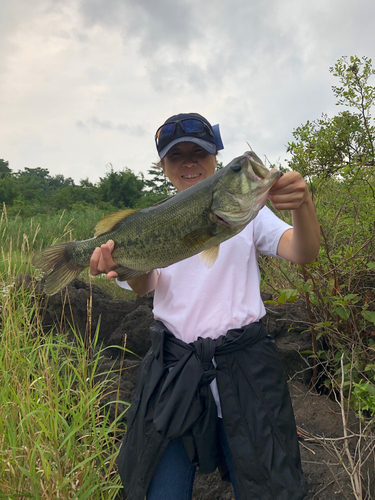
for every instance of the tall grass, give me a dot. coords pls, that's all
(56, 439)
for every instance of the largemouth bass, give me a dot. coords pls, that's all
(193, 221)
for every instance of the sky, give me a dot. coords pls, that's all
(84, 84)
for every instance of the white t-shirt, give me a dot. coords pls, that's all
(194, 301)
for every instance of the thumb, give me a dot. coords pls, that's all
(111, 245)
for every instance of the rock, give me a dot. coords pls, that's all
(288, 325)
(133, 331)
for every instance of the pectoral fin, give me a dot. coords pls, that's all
(209, 256)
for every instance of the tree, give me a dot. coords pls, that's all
(60, 182)
(326, 146)
(8, 190)
(122, 189)
(157, 182)
(357, 93)
(4, 169)
(32, 184)
(342, 145)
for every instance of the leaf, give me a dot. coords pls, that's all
(369, 316)
(306, 287)
(327, 383)
(343, 313)
(292, 299)
(288, 295)
(352, 297)
(371, 265)
(323, 324)
(370, 389)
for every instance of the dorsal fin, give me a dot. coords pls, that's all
(108, 222)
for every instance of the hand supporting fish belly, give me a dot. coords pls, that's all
(193, 221)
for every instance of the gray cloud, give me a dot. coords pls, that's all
(96, 123)
(164, 22)
(260, 69)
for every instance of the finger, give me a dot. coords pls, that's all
(112, 274)
(111, 245)
(106, 255)
(288, 188)
(94, 261)
(287, 201)
(107, 261)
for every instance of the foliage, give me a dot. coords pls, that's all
(342, 146)
(356, 93)
(157, 182)
(4, 169)
(329, 146)
(34, 191)
(336, 155)
(56, 439)
(122, 189)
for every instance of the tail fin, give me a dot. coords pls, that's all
(63, 269)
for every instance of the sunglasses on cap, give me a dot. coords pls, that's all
(188, 125)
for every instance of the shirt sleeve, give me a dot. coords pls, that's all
(268, 229)
(123, 284)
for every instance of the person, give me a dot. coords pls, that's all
(211, 391)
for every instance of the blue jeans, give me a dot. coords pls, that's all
(174, 476)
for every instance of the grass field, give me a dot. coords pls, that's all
(56, 440)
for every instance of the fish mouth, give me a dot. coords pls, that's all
(256, 171)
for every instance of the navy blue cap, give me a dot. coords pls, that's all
(209, 139)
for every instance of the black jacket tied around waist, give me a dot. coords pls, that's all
(173, 399)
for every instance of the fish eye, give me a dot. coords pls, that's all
(236, 167)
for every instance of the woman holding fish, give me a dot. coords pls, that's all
(211, 391)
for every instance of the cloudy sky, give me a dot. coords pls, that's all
(86, 83)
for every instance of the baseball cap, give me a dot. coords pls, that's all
(188, 127)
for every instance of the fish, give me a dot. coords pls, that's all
(194, 221)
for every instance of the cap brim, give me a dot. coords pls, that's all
(208, 146)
